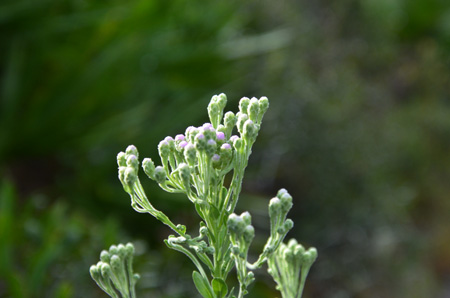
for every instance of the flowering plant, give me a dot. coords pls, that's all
(196, 163)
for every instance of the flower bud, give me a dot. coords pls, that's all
(179, 138)
(149, 167)
(286, 202)
(211, 147)
(190, 133)
(253, 109)
(243, 104)
(250, 131)
(113, 250)
(185, 174)
(249, 233)
(216, 160)
(274, 208)
(220, 137)
(115, 263)
(160, 175)
(121, 159)
(133, 162)
(181, 145)
(246, 217)
(129, 177)
(281, 192)
(240, 123)
(106, 270)
(164, 149)
(229, 121)
(190, 154)
(222, 100)
(132, 150)
(200, 141)
(129, 248)
(122, 251)
(95, 272)
(238, 144)
(263, 106)
(309, 257)
(235, 224)
(214, 111)
(105, 256)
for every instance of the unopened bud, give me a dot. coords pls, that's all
(200, 141)
(243, 104)
(211, 147)
(160, 175)
(249, 233)
(164, 149)
(149, 167)
(250, 131)
(185, 174)
(129, 177)
(132, 150)
(121, 159)
(263, 106)
(106, 270)
(246, 217)
(115, 263)
(129, 248)
(105, 256)
(240, 123)
(274, 207)
(190, 154)
(230, 122)
(132, 161)
(253, 109)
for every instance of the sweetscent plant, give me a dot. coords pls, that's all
(196, 163)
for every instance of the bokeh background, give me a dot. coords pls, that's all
(358, 131)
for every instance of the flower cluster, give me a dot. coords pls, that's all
(114, 272)
(289, 267)
(196, 163)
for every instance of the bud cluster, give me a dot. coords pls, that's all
(241, 233)
(114, 273)
(195, 163)
(202, 156)
(295, 260)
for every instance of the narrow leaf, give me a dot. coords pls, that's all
(202, 285)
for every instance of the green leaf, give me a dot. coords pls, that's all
(202, 285)
(220, 287)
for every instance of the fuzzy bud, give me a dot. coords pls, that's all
(129, 248)
(263, 106)
(229, 121)
(274, 207)
(211, 147)
(253, 109)
(250, 131)
(132, 150)
(200, 141)
(240, 123)
(185, 174)
(190, 154)
(164, 149)
(243, 104)
(160, 175)
(122, 159)
(129, 177)
(249, 233)
(105, 256)
(132, 161)
(149, 167)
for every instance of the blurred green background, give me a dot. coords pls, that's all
(358, 131)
